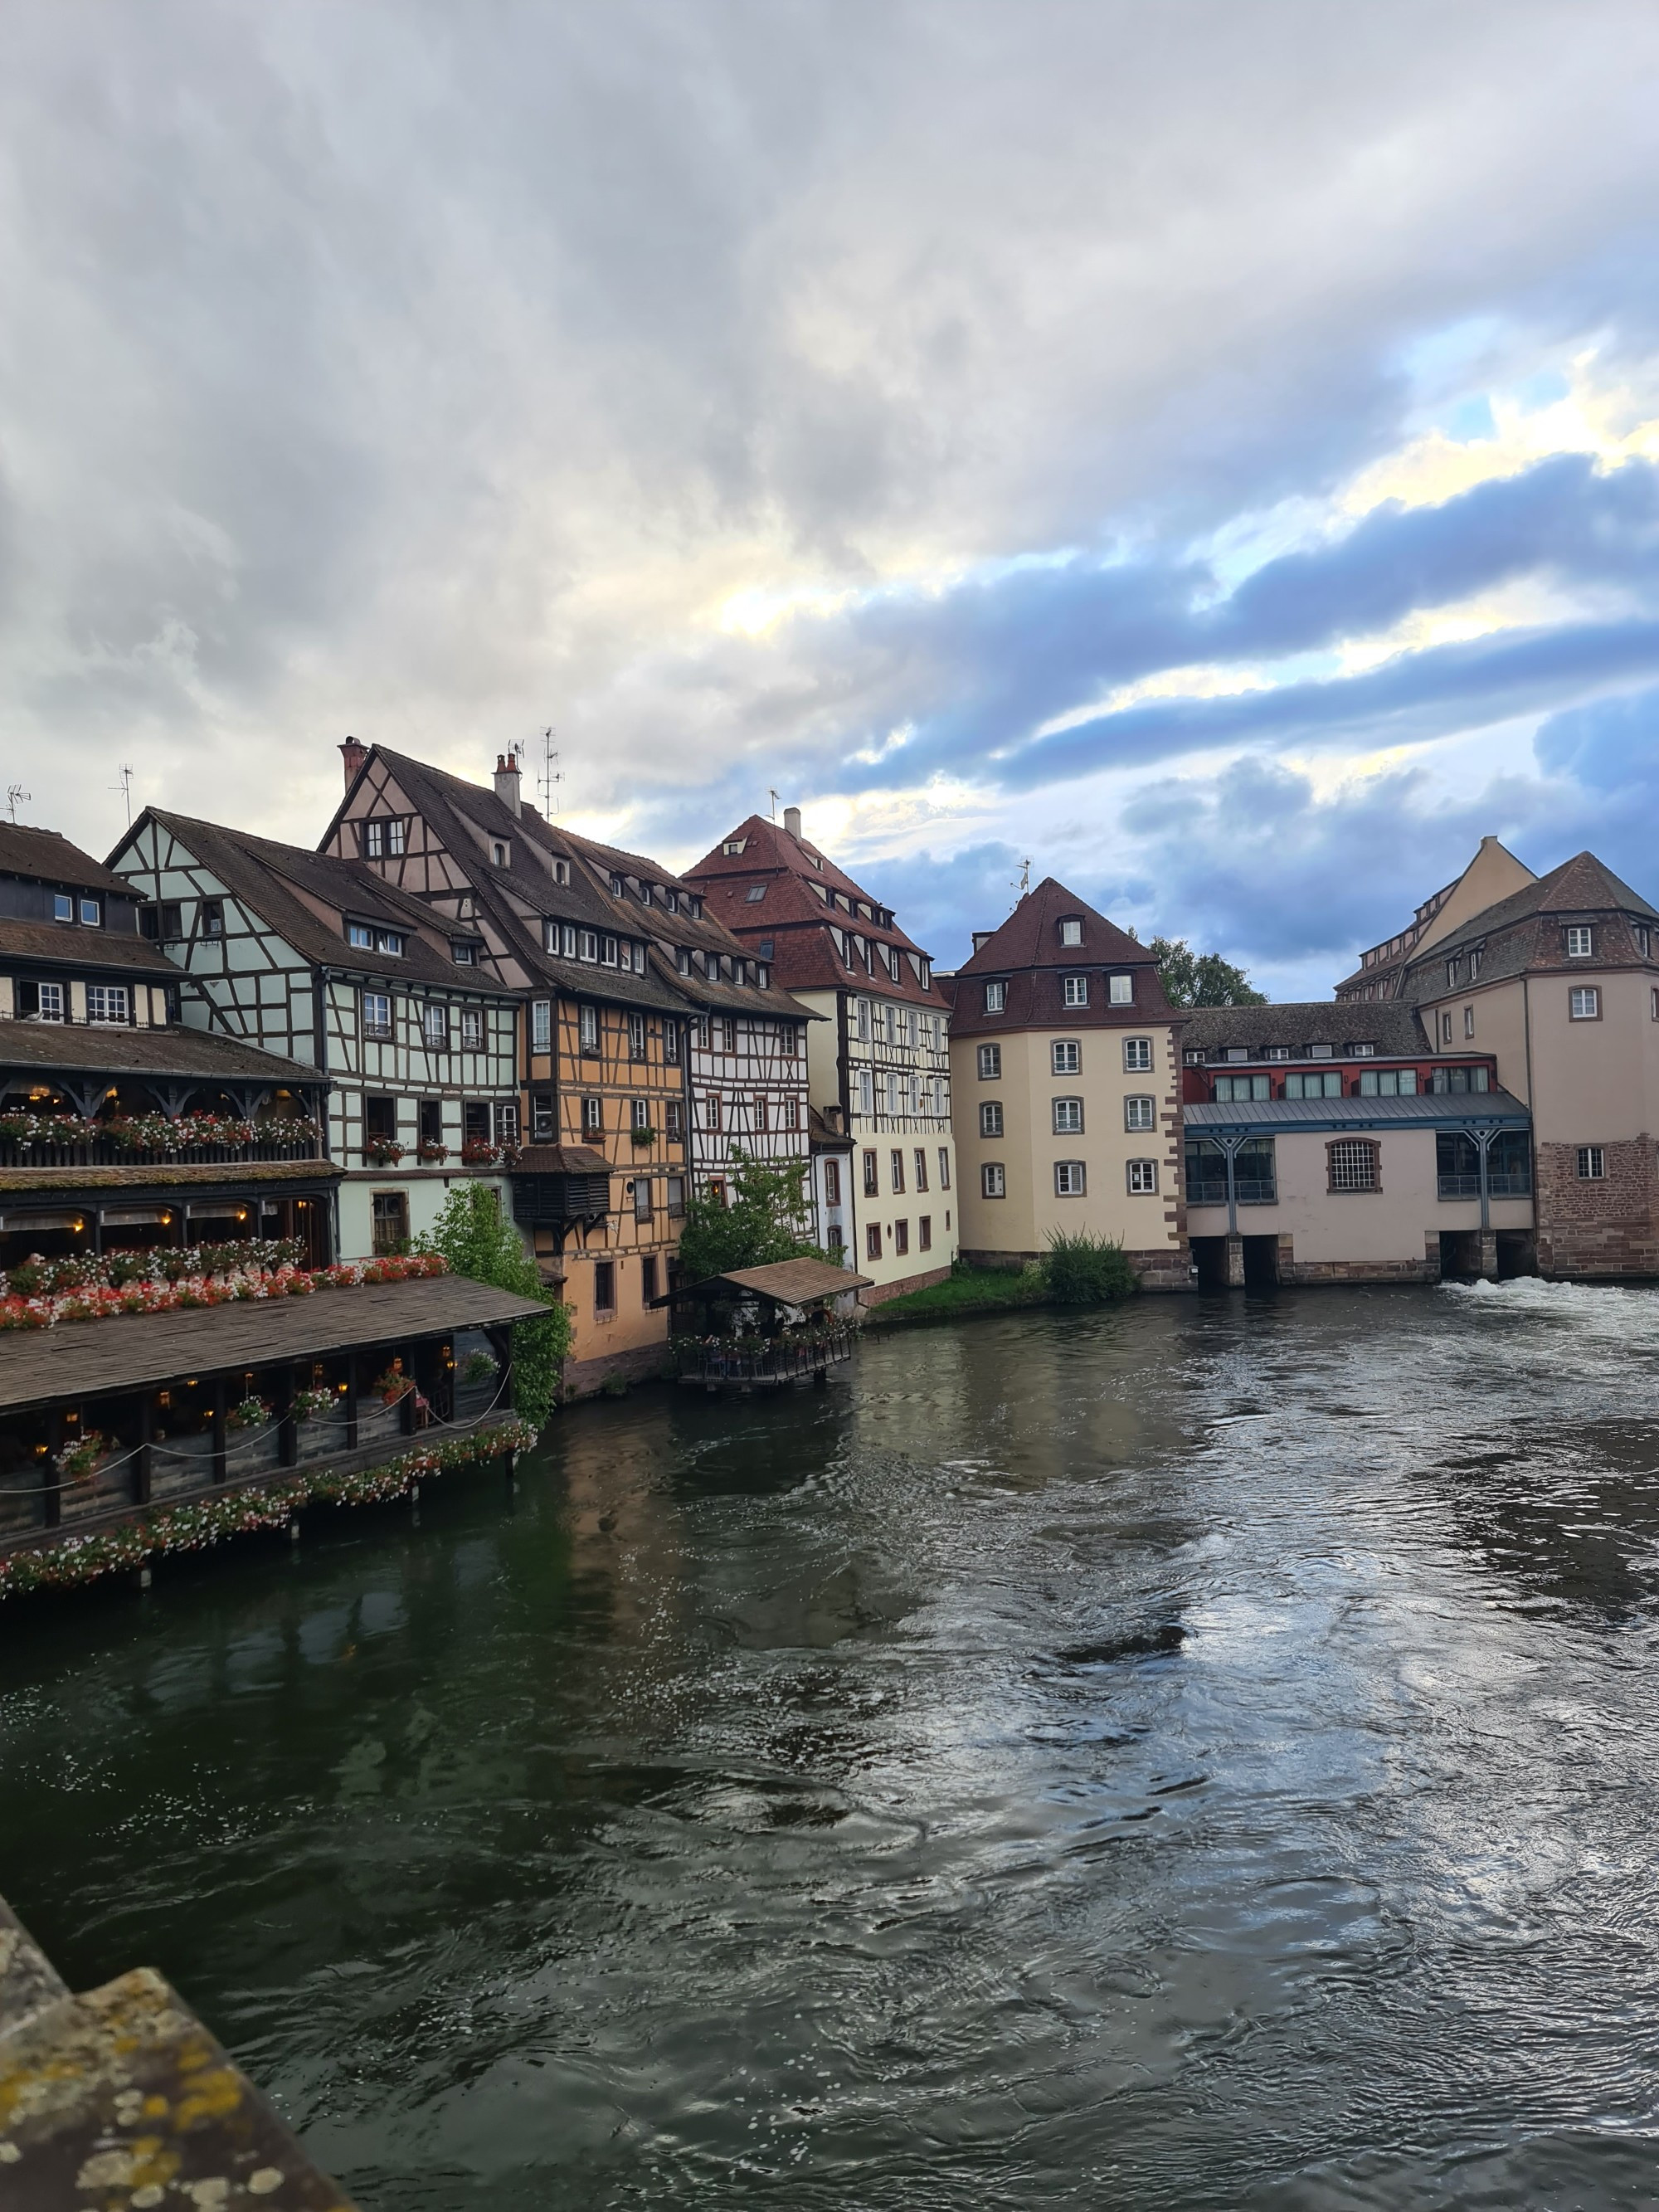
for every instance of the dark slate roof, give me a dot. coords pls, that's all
(269, 878)
(783, 1282)
(799, 922)
(67, 944)
(1391, 1027)
(821, 1138)
(562, 1159)
(173, 1051)
(145, 1351)
(46, 856)
(1026, 953)
(1431, 1110)
(1521, 934)
(448, 804)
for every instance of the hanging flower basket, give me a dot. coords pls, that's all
(480, 1367)
(252, 1413)
(394, 1384)
(78, 1463)
(313, 1405)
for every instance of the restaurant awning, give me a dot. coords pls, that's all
(783, 1283)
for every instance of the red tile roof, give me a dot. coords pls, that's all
(1028, 955)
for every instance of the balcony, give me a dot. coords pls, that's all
(1501, 1182)
(30, 1141)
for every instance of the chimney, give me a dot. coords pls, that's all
(354, 755)
(506, 781)
(791, 823)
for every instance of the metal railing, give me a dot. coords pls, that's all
(763, 1359)
(102, 1152)
(1506, 1182)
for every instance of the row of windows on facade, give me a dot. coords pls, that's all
(1073, 992)
(1373, 1083)
(1353, 1164)
(895, 1172)
(1139, 1113)
(901, 1237)
(875, 1021)
(895, 1091)
(109, 1005)
(758, 1116)
(1072, 1179)
(873, 956)
(1066, 1058)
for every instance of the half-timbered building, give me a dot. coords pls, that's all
(878, 1060)
(315, 959)
(599, 1189)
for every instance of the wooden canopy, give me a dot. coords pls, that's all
(784, 1283)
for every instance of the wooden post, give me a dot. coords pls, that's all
(52, 1498)
(288, 1429)
(406, 1403)
(140, 1464)
(221, 1469)
(500, 1343)
(351, 1402)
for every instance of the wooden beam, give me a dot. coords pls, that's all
(142, 1458)
(221, 1470)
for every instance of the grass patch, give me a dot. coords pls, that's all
(965, 1290)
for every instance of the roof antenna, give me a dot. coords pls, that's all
(552, 774)
(774, 798)
(125, 786)
(1025, 883)
(16, 792)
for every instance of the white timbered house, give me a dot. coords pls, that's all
(879, 1063)
(315, 959)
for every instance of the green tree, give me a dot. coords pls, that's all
(478, 1240)
(769, 1218)
(1200, 979)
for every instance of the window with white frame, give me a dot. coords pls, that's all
(592, 1117)
(434, 1025)
(990, 1117)
(990, 1063)
(1353, 1164)
(996, 998)
(1469, 1021)
(1137, 1055)
(587, 944)
(377, 1014)
(588, 1028)
(358, 933)
(944, 1167)
(1580, 942)
(541, 1024)
(640, 1110)
(48, 1002)
(1068, 1179)
(636, 1036)
(1121, 992)
(866, 1092)
(1065, 1056)
(1592, 1163)
(938, 1095)
(711, 1110)
(1074, 990)
(671, 1041)
(1644, 940)
(1069, 1117)
(1139, 1113)
(1141, 1178)
(1071, 930)
(107, 1003)
(473, 1028)
(1585, 1003)
(1445, 1029)
(863, 1012)
(993, 1180)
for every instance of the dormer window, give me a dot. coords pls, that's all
(1362, 1052)
(996, 998)
(671, 901)
(498, 852)
(1071, 930)
(1319, 1052)
(1121, 990)
(734, 845)
(90, 916)
(1581, 943)
(1451, 975)
(1074, 990)
(925, 975)
(561, 871)
(694, 905)
(764, 948)
(360, 934)
(1237, 1052)
(683, 958)
(617, 886)
(465, 955)
(754, 895)
(63, 906)
(1277, 1051)
(390, 941)
(762, 976)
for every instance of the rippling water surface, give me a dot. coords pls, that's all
(1200, 1756)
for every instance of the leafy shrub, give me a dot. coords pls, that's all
(479, 1241)
(1087, 1271)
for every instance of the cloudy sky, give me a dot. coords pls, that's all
(1209, 450)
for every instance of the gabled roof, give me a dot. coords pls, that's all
(1494, 873)
(1522, 934)
(268, 879)
(47, 857)
(1026, 953)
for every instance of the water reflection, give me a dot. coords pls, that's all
(1193, 1756)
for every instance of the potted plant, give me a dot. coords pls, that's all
(430, 1152)
(643, 1137)
(252, 1413)
(393, 1384)
(382, 1152)
(313, 1405)
(78, 1462)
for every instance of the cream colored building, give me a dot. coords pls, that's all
(1066, 1075)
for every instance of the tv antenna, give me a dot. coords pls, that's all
(773, 797)
(16, 792)
(1025, 883)
(125, 786)
(552, 774)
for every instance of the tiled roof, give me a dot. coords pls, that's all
(45, 856)
(1027, 955)
(173, 1051)
(1391, 1027)
(66, 945)
(1521, 934)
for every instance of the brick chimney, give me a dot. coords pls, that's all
(791, 823)
(508, 781)
(354, 755)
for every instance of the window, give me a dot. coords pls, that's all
(1068, 1179)
(758, 1109)
(866, 1092)
(377, 1014)
(1065, 1056)
(1387, 1083)
(832, 1183)
(1319, 1052)
(605, 1286)
(1071, 930)
(213, 918)
(475, 1122)
(641, 1198)
(588, 1028)
(944, 1171)
(1475, 959)
(1469, 1021)
(1451, 975)
(434, 1025)
(107, 1003)
(863, 1014)
(63, 907)
(1069, 1117)
(171, 921)
(1362, 1052)
(1232, 1087)
(1653, 1001)
(996, 998)
(1352, 1164)
(1585, 1003)
(1137, 1055)
(1644, 940)
(389, 940)
(920, 1164)
(993, 1180)
(835, 1241)
(1445, 1029)
(506, 1121)
(592, 1117)
(498, 853)
(360, 934)
(648, 1278)
(671, 1041)
(463, 954)
(541, 1024)
(1141, 1176)
(1142, 1113)
(711, 1110)
(1074, 990)
(640, 1114)
(872, 1186)
(1581, 944)
(544, 1120)
(636, 1036)
(389, 1220)
(990, 1063)
(608, 955)
(789, 1112)
(472, 1028)
(755, 894)
(873, 1241)
(429, 1120)
(1592, 1163)
(676, 1198)
(896, 1169)
(925, 1233)
(1121, 991)
(673, 1119)
(587, 944)
(1326, 1086)
(901, 1238)
(734, 845)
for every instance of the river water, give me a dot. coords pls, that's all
(1199, 1755)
